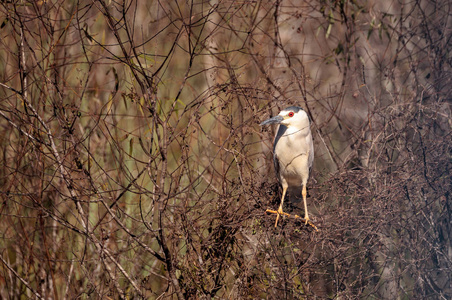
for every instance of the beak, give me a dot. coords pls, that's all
(274, 120)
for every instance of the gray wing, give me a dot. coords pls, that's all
(279, 134)
(276, 165)
(311, 151)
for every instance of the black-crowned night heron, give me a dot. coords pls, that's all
(293, 153)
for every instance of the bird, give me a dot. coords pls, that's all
(293, 153)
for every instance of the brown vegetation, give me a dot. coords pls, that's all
(133, 166)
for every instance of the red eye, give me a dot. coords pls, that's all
(291, 114)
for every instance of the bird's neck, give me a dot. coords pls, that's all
(292, 130)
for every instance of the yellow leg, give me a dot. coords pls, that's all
(306, 214)
(280, 210)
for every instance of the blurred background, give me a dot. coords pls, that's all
(132, 164)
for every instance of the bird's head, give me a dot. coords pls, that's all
(292, 116)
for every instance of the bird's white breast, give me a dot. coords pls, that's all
(292, 149)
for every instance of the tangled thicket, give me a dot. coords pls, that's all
(133, 166)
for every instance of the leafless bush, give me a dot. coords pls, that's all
(132, 165)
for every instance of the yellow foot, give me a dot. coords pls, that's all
(281, 213)
(277, 212)
(311, 224)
